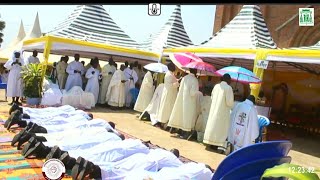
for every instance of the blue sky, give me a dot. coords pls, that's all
(133, 19)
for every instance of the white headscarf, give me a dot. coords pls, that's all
(8, 65)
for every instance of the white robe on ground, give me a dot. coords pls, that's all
(15, 83)
(130, 83)
(74, 79)
(48, 112)
(155, 160)
(168, 97)
(218, 124)
(33, 60)
(184, 112)
(52, 97)
(93, 82)
(145, 93)
(62, 74)
(153, 107)
(196, 171)
(116, 95)
(106, 78)
(244, 128)
(77, 139)
(111, 151)
(78, 98)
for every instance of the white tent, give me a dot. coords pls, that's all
(17, 44)
(171, 35)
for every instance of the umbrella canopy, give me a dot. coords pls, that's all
(200, 66)
(182, 59)
(239, 74)
(156, 67)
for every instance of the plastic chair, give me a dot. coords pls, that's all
(263, 122)
(3, 86)
(255, 169)
(255, 152)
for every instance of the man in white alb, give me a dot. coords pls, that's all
(75, 70)
(33, 59)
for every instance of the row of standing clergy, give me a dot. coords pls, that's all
(179, 107)
(70, 75)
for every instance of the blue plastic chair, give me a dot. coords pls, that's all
(255, 169)
(263, 122)
(255, 152)
(3, 86)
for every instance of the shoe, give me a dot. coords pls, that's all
(13, 107)
(65, 158)
(77, 167)
(25, 116)
(31, 143)
(22, 124)
(13, 119)
(84, 170)
(24, 138)
(55, 153)
(96, 173)
(17, 137)
(39, 150)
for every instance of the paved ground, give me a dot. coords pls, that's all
(305, 151)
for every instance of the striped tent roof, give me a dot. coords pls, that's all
(247, 30)
(172, 34)
(92, 23)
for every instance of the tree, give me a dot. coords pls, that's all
(2, 26)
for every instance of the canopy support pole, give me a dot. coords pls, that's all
(46, 54)
(255, 88)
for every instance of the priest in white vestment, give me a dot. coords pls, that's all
(184, 112)
(75, 70)
(155, 160)
(169, 95)
(145, 93)
(106, 74)
(153, 107)
(132, 78)
(218, 124)
(15, 84)
(116, 94)
(92, 75)
(244, 128)
(33, 59)
(61, 72)
(189, 170)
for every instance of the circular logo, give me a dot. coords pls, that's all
(53, 169)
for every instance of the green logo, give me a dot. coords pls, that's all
(306, 16)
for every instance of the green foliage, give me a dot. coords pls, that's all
(2, 26)
(32, 80)
(291, 171)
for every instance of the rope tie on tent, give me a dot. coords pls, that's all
(261, 54)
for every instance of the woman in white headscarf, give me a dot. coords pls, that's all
(14, 85)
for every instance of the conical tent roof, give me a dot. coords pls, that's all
(247, 30)
(18, 42)
(92, 23)
(172, 34)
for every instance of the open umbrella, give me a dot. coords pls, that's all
(239, 74)
(200, 66)
(156, 67)
(182, 59)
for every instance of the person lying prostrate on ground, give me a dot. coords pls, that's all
(79, 138)
(49, 111)
(111, 151)
(185, 171)
(155, 160)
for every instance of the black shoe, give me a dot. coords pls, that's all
(96, 173)
(65, 158)
(14, 118)
(22, 124)
(13, 107)
(54, 153)
(24, 138)
(31, 143)
(77, 167)
(17, 137)
(39, 150)
(25, 116)
(85, 170)
(39, 129)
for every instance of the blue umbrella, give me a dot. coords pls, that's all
(239, 74)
